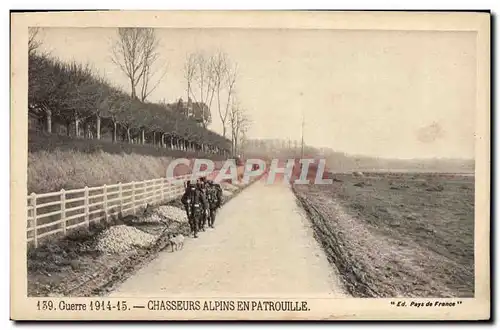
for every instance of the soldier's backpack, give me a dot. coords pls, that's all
(215, 195)
(211, 196)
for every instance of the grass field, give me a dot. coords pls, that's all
(397, 234)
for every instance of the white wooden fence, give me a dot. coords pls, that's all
(59, 212)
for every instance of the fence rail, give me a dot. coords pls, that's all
(57, 212)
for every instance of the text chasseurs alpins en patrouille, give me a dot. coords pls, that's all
(227, 305)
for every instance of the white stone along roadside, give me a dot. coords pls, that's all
(122, 238)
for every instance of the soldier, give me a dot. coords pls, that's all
(214, 197)
(194, 201)
(185, 197)
(202, 188)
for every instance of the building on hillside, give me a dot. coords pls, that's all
(198, 111)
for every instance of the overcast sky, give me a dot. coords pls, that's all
(377, 93)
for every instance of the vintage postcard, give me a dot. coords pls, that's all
(184, 165)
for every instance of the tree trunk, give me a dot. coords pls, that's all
(115, 129)
(98, 127)
(49, 121)
(68, 128)
(142, 136)
(77, 128)
(132, 85)
(129, 138)
(85, 130)
(154, 138)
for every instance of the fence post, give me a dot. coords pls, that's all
(157, 191)
(148, 189)
(33, 204)
(144, 199)
(133, 196)
(120, 197)
(105, 197)
(162, 189)
(86, 199)
(63, 211)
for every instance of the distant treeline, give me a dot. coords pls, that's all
(72, 99)
(340, 162)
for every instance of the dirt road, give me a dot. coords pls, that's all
(262, 246)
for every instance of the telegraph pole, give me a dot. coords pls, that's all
(302, 143)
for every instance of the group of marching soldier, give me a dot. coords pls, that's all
(201, 200)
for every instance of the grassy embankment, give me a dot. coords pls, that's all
(60, 162)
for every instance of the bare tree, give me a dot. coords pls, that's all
(224, 78)
(233, 115)
(239, 123)
(190, 72)
(33, 39)
(135, 52)
(243, 123)
(206, 84)
(198, 70)
(229, 81)
(146, 87)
